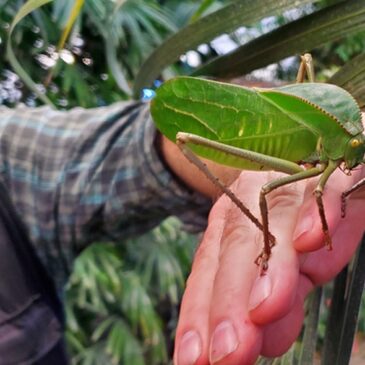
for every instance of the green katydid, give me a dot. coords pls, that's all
(304, 130)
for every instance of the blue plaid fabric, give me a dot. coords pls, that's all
(88, 174)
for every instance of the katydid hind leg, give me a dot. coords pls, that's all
(276, 164)
(262, 259)
(181, 143)
(347, 193)
(273, 163)
(327, 238)
(318, 192)
(301, 73)
(305, 68)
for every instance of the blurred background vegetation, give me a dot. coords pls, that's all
(122, 299)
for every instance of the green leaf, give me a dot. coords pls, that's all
(74, 13)
(122, 345)
(27, 8)
(352, 78)
(61, 11)
(159, 17)
(76, 9)
(43, 24)
(118, 5)
(225, 20)
(115, 67)
(205, 5)
(299, 36)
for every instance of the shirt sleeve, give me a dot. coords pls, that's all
(82, 175)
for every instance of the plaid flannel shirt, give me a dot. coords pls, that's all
(83, 175)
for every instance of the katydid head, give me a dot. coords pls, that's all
(355, 151)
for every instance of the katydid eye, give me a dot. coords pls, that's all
(355, 143)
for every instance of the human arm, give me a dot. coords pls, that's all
(87, 174)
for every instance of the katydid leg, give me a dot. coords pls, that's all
(262, 259)
(347, 193)
(305, 68)
(181, 143)
(274, 163)
(318, 192)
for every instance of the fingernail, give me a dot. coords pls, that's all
(223, 343)
(190, 349)
(304, 225)
(260, 291)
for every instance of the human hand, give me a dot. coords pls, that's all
(230, 314)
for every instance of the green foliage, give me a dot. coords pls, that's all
(306, 33)
(27, 8)
(313, 28)
(122, 34)
(126, 297)
(119, 35)
(225, 20)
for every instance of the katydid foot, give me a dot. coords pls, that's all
(262, 261)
